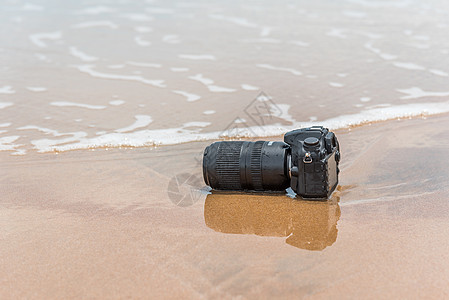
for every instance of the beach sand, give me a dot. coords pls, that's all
(106, 108)
(108, 224)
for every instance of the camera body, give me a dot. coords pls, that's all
(315, 155)
(307, 161)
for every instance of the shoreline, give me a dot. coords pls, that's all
(107, 147)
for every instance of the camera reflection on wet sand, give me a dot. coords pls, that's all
(307, 224)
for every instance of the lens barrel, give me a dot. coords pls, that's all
(242, 165)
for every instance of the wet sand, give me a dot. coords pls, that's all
(109, 224)
(123, 217)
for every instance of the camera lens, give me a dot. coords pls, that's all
(242, 165)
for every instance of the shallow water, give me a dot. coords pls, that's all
(78, 75)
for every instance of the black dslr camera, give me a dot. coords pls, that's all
(307, 161)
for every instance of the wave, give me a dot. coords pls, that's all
(194, 131)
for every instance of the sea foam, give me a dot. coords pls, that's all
(82, 105)
(38, 38)
(189, 132)
(89, 70)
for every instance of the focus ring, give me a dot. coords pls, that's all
(227, 165)
(256, 166)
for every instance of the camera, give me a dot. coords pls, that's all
(307, 161)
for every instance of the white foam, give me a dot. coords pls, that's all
(281, 111)
(365, 99)
(178, 135)
(141, 42)
(370, 35)
(336, 32)
(377, 51)
(220, 89)
(239, 120)
(190, 97)
(120, 66)
(354, 14)
(116, 102)
(137, 17)
(270, 67)
(381, 4)
(96, 10)
(46, 145)
(41, 129)
(3, 131)
(81, 55)
(379, 106)
(420, 45)
(6, 143)
(416, 92)
(203, 80)
(264, 40)
(421, 37)
(266, 31)
(209, 112)
(19, 151)
(143, 29)
(5, 104)
(237, 21)
(100, 23)
(336, 84)
(179, 69)
(171, 39)
(141, 121)
(7, 89)
(159, 10)
(36, 88)
(89, 70)
(32, 7)
(2, 125)
(196, 124)
(38, 38)
(42, 57)
(299, 43)
(142, 64)
(197, 57)
(248, 87)
(262, 97)
(438, 72)
(408, 66)
(413, 66)
(210, 84)
(73, 104)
